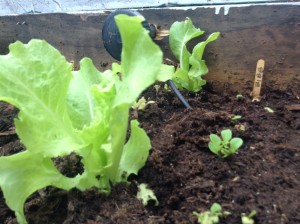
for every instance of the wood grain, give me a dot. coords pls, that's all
(268, 32)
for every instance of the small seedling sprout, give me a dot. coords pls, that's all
(157, 88)
(141, 104)
(239, 96)
(269, 110)
(167, 87)
(212, 216)
(248, 218)
(226, 145)
(145, 194)
(240, 127)
(235, 118)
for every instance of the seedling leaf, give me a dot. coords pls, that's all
(248, 219)
(165, 73)
(225, 146)
(141, 104)
(145, 194)
(215, 143)
(189, 74)
(269, 110)
(198, 67)
(180, 34)
(212, 216)
(226, 135)
(216, 208)
(215, 139)
(235, 143)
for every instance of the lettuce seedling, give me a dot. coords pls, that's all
(83, 112)
(239, 96)
(192, 67)
(235, 118)
(145, 194)
(248, 218)
(212, 216)
(141, 104)
(226, 146)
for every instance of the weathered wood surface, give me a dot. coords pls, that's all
(269, 32)
(14, 7)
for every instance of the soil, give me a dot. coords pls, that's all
(184, 174)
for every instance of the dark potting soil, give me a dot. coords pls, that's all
(185, 176)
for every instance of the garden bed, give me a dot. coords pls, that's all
(184, 174)
(181, 170)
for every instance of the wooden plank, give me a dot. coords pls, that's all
(268, 32)
(14, 7)
(294, 107)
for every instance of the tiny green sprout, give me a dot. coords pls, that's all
(157, 88)
(226, 146)
(239, 96)
(212, 216)
(235, 118)
(248, 218)
(145, 194)
(268, 109)
(141, 104)
(167, 87)
(240, 127)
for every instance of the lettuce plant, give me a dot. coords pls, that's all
(212, 216)
(192, 67)
(84, 112)
(225, 146)
(145, 194)
(248, 218)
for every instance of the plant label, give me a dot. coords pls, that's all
(258, 80)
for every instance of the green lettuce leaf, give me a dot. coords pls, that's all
(37, 83)
(180, 34)
(135, 152)
(138, 73)
(81, 103)
(198, 67)
(226, 135)
(192, 67)
(24, 173)
(165, 73)
(145, 194)
(64, 111)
